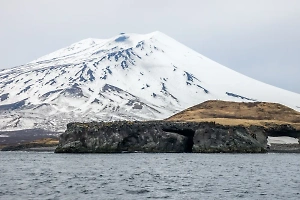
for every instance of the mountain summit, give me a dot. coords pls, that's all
(129, 76)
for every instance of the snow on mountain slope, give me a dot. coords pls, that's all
(129, 76)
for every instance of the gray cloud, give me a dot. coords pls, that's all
(257, 38)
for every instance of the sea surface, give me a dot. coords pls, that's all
(37, 175)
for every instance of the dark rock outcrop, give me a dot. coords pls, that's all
(283, 130)
(160, 136)
(284, 148)
(226, 139)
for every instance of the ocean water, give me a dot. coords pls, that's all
(36, 175)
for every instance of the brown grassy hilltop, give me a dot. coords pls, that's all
(236, 113)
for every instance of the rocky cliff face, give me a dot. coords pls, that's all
(161, 136)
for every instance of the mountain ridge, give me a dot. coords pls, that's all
(129, 76)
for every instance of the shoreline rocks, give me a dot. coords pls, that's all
(284, 148)
(161, 137)
(29, 147)
(45, 144)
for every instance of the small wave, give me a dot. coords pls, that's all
(142, 191)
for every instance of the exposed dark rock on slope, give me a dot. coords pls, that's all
(160, 136)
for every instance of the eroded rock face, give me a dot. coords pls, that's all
(160, 136)
(119, 137)
(235, 139)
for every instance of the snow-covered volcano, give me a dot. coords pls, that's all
(129, 76)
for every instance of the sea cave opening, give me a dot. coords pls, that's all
(283, 132)
(188, 133)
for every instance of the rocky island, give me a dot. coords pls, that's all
(160, 136)
(206, 128)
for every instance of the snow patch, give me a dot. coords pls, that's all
(282, 140)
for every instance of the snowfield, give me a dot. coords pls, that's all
(129, 76)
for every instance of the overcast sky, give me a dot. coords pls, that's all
(259, 38)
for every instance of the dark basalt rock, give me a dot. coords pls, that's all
(229, 139)
(161, 136)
